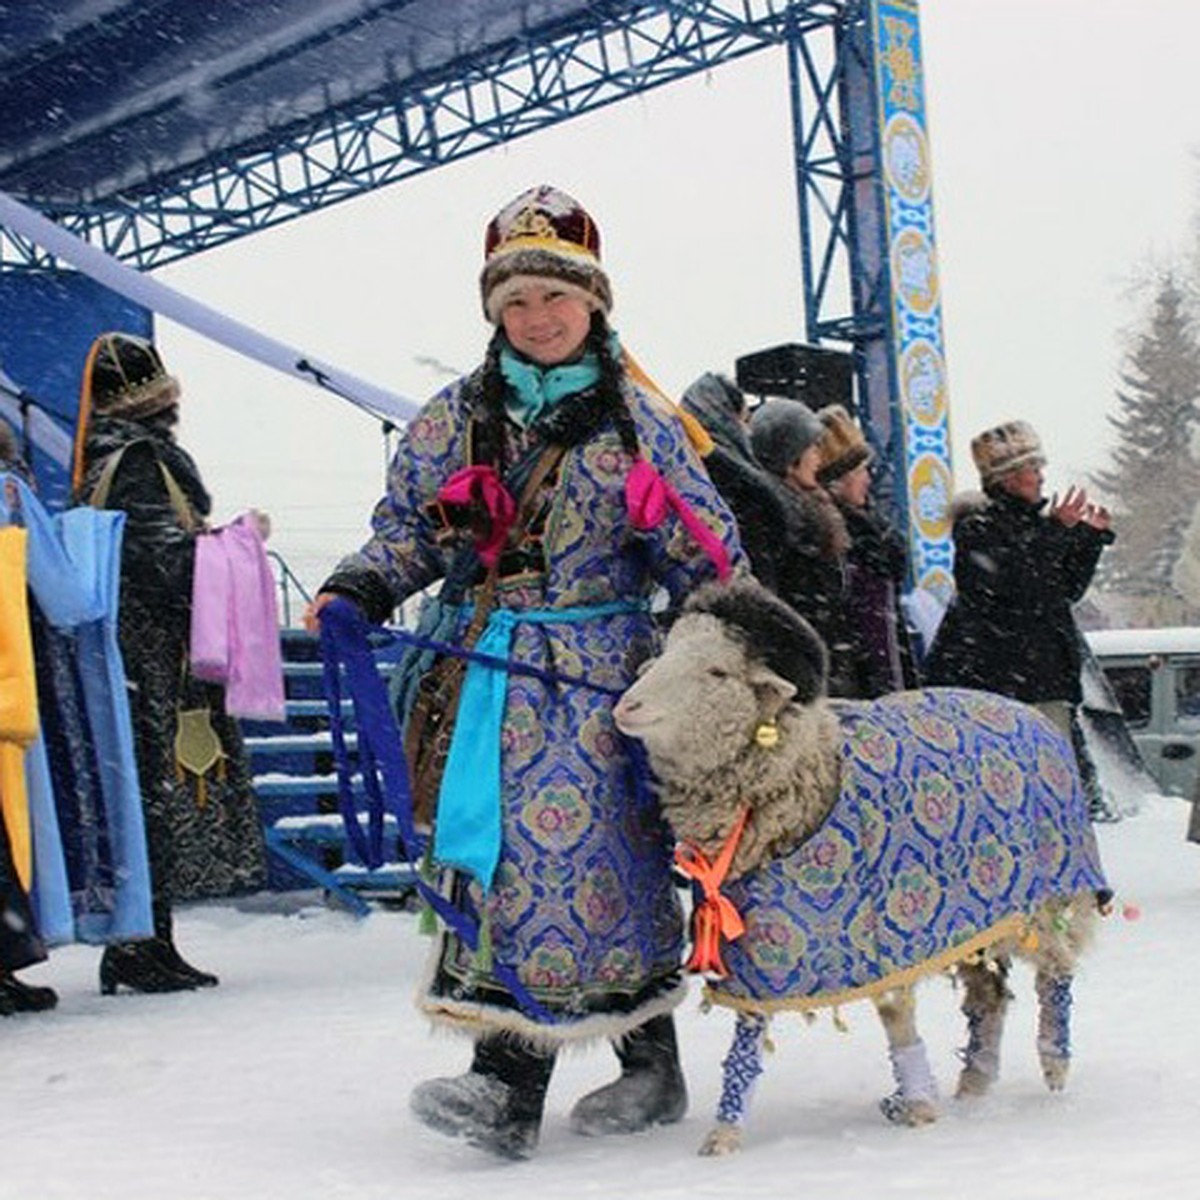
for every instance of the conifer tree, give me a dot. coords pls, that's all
(1154, 481)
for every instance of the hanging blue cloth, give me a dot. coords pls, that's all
(468, 833)
(93, 541)
(74, 577)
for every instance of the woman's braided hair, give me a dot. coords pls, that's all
(609, 394)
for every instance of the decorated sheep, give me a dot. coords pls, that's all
(842, 850)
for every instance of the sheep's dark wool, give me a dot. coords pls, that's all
(773, 632)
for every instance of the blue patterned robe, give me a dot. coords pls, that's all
(583, 907)
(960, 813)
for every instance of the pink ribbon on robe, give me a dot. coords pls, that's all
(480, 487)
(235, 621)
(648, 496)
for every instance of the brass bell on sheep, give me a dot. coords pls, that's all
(766, 735)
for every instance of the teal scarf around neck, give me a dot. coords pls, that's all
(533, 388)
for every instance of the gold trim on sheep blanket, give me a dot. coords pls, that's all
(960, 814)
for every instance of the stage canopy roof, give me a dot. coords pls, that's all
(109, 98)
(158, 128)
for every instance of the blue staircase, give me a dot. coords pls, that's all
(295, 783)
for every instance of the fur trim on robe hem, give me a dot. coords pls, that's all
(478, 1019)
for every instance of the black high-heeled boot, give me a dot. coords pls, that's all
(17, 996)
(168, 954)
(135, 965)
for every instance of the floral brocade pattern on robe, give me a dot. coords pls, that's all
(959, 811)
(583, 906)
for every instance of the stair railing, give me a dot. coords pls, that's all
(287, 580)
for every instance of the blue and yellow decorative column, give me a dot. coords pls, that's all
(916, 369)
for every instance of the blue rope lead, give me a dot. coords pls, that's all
(345, 645)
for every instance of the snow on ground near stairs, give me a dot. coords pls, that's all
(291, 1079)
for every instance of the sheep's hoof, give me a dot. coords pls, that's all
(1054, 1071)
(901, 1110)
(973, 1083)
(722, 1139)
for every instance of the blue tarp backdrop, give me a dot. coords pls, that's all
(48, 321)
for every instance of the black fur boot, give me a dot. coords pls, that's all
(497, 1105)
(650, 1091)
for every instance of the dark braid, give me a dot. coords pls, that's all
(490, 437)
(611, 390)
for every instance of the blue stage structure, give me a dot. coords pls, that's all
(161, 128)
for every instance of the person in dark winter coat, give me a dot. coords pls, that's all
(881, 658)
(754, 496)
(1020, 563)
(810, 543)
(127, 458)
(575, 888)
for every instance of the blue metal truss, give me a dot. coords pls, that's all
(514, 89)
(595, 55)
(833, 120)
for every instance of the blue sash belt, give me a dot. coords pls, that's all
(467, 833)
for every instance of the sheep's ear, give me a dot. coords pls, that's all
(771, 690)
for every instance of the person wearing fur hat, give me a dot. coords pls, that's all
(811, 542)
(881, 658)
(126, 457)
(1020, 563)
(549, 846)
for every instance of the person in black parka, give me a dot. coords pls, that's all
(1020, 563)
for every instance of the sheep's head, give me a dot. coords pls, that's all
(733, 660)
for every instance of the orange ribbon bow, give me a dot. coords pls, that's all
(715, 916)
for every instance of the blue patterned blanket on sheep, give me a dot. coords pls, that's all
(959, 813)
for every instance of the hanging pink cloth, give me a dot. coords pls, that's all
(648, 496)
(235, 621)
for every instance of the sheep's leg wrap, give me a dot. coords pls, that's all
(742, 1067)
(985, 1006)
(1054, 1028)
(914, 1102)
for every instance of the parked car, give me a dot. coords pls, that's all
(1155, 676)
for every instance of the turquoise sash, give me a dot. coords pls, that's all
(467, 834)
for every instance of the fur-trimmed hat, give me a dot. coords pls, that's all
(1006, 448)
(124, 376)
(543, 233)
(772, 632)
(843, 446)
(781, 430)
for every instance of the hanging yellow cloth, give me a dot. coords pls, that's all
(700, 438)
(18, 699)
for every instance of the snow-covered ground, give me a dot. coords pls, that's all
(291, 1079)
